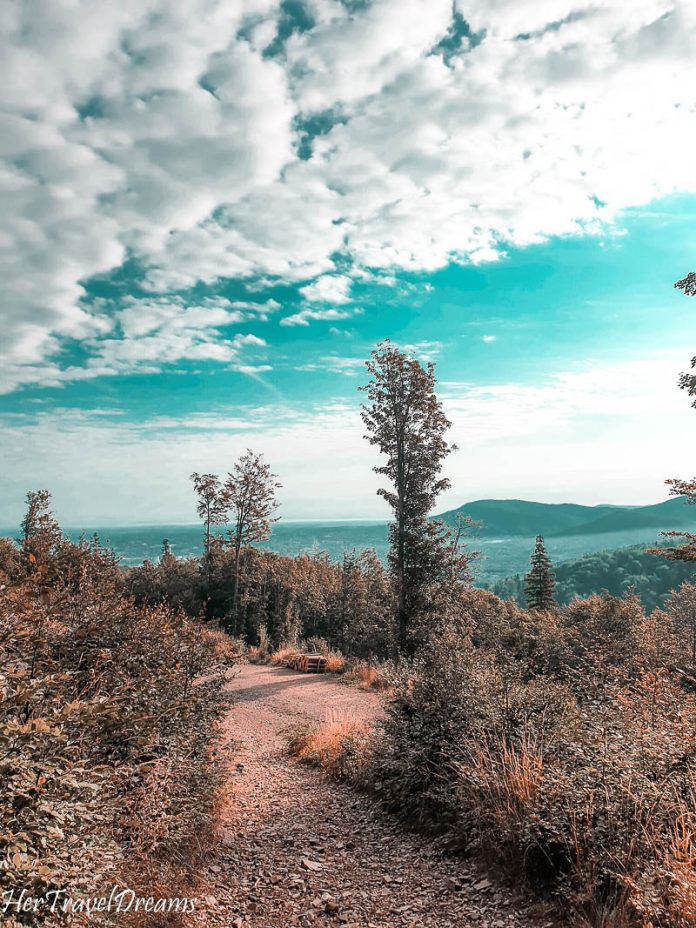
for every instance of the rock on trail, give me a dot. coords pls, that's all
(302, 850)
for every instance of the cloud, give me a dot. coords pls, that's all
(349, 367)
(425, 351)
(488, 338)
(213, 140)
(164, 331)
(305, 316)
(332, 288)
(147, 335)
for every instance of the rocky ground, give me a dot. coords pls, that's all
(299, 849)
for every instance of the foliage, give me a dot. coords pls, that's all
(405, 420)
(281, 599)
(249, 499)
(40, 532)
(681, 608)
(211, 506)
(106, 725)
(339, 745)
(560, 745)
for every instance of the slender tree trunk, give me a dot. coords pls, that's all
(235, 595)
(401, 612)
(207, 552)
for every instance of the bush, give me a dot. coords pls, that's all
(106, 732)
(578, 781)
(370, 676)
(335, 662)
(340, 745)
(283, 655)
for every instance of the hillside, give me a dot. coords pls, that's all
(653, 578)
(512, 517)
(673, 513)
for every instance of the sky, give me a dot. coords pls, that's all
(212, 211)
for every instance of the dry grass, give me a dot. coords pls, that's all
(257, 655)
(283, 655)
(367, 676)
(335, 662)
(225, 649)
(340, 745)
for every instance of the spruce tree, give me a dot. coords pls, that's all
(540, 584)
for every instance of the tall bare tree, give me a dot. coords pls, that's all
(250, 497)
(405, 420)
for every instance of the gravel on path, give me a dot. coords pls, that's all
(299, 849)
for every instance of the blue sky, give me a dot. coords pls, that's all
(213, 214)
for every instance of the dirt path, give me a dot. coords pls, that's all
(302, 850)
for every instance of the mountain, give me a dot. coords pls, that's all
(511, 517)
(674, 513)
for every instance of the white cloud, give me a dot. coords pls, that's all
(349, 367)
(488, 338)
(163, 132)
(425, 351)
(305, 316)
(331, 288)
(147, 335)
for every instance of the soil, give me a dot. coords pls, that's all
(300, 849)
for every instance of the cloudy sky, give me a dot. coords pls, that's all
(213, 209)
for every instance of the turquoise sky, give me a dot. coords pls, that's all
(212, 216)
(534, 312)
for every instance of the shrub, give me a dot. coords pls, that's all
(340, 745)
(370, 676)
(283, 655)
(106, 724)
(335, 662)
(580, 784)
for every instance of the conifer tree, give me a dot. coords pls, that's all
(406, 421)
(540, 584)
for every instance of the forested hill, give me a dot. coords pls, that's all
(509, 517)
(614, 571)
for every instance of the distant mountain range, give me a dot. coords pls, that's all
(510, 517)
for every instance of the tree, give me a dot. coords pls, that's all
(681, 607)
(539, 584)
(212, 508)
(249, 494)
(405, 420)
(41, 533)
(686, 488)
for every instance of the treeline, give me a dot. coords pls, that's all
(273, 600)
(618, 572)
